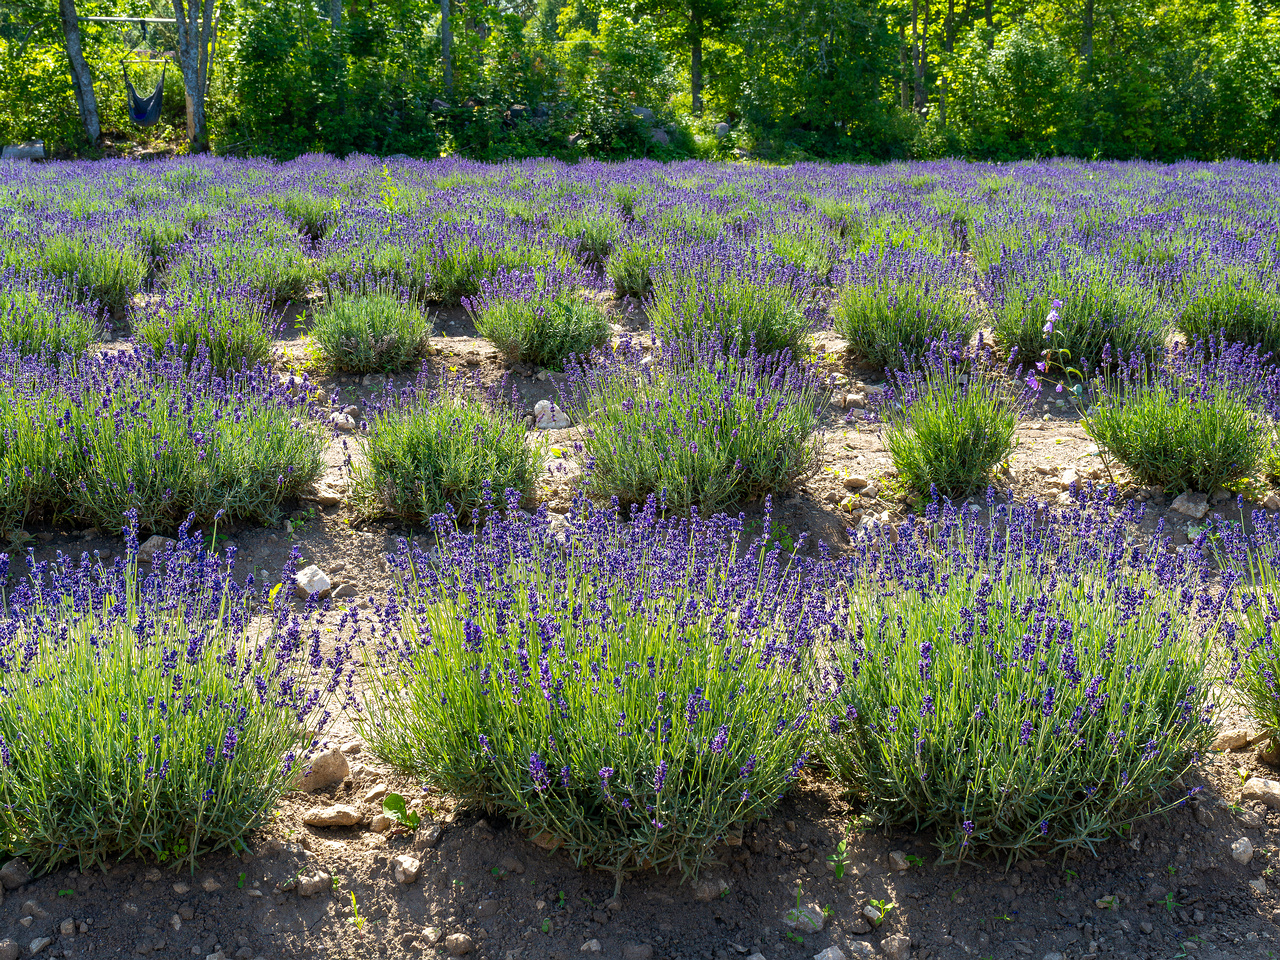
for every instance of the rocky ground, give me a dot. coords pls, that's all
(331, 878)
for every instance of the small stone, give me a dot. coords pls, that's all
(1259, 790)
(1193, 505)
(1259, 885)
(325, 770)
(10, 949)
(1054, 955)
(855, 482)
(380, 824)
(33, 909)
(345, 591)
(458, 944)
(1242, 851)
(39, 943)
(338, 815)
(181, 888)
(1272, 501)
(376, 792)
(14, 874)
(511, 865)
(432, 935)
(707, 890)
(898, 860)
(209, 885)
(406, 868)
(637, 951)
(548, 416)
(154, 547)
(591, 946)
(311, 582)
(428, 836)
(872, 914)
(804, 919)
(1146, 927)
(831, 953)
(486, 909)
(67, 927)
(311, 884)
(861, 950)
(342, 421)
(1236, 739)
(856, 400)
(897, 947)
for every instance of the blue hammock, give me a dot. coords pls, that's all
(145, 111)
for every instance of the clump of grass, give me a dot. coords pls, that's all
(108, 272)
(696, 428)
(630, 267)
(132, 431)
(539, 317)
(119, 742)
(1098, 310)
(1194, 422)
(656, 714)
(370, 332)
(737, 306)
(271, 268)
(427, 451)
(948, 423)
(229, 329)
(456, 263)
(43, 321)
(892, 322)
(1019, 690)
(1239, 307)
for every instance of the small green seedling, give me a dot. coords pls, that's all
(240, 882)
(560, 899)
(66, 893)
(837, 859)
(394, 809)
(1169, 903)
(795, 937)
(546, 924)
(356, 921)
(883, 908)
(914, 860)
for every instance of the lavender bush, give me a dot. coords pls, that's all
(1022, 687)
(431, 449)
(156, 714)
(1194, 422)
(39, 318)
(696, 429)
(1235, 305)
(538, 317)
(131, 431)
(370, 332)
(231, 329)
(949, 422)
(630, 691)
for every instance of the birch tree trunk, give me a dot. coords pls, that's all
(81, 79)
(195, 31)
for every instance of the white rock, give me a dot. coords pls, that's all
(548, 416)
(432, 935)
(330, 493)
(325, 770)
(311, 582)
(898, 860)
(1193, 505)
(831, 953)
(1054, 955)
(591, 946)
(1257, 789)
(209, 885)
(861, 950)
(338, 815)
(380, 824)
(376, 792)
(39, 943)
(804, 919)
(1236, 739)
(855, 482)
(154, 546)
(1242, 851)
(897, 947)
(1272, 501)
(1259, 885)
(343, 421)
(312, 883)
(407, 868)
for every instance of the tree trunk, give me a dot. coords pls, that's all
(335, 15)
(695, 65)
(1086, 31)
(991, 25)
(948, 44)
(195, 30)
(905, 56)
(917, 69)
(446, 46)
(81, 79)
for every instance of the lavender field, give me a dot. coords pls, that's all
(798, 546)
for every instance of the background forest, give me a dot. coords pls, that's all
(771, 79)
